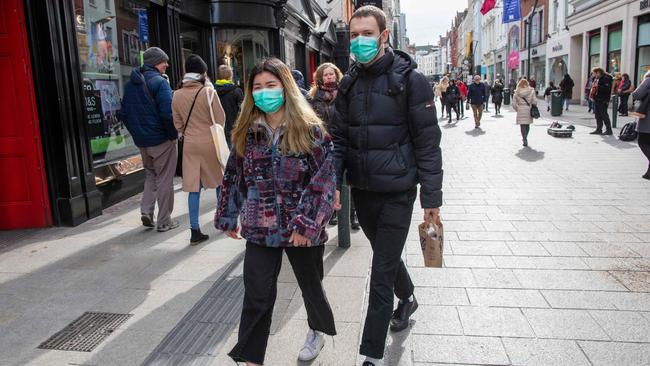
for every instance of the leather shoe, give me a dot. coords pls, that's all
(402, 314)
(608, 132)
(596, 132)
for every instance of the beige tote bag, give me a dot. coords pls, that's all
(218, 134)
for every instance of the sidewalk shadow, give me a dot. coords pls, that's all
(475, 132)
(65, 288)
(615, 142)
(395, 350)
(450, 125)
(530, 154)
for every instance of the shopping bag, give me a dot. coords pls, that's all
(432, 242)
(218, 135)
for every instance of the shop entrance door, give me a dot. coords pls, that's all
(23, 192)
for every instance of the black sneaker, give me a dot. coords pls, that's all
(198, 237)
(608, 132)
(147, 220)
(334, 220)
(402, 314)
(368, 363)
(172, 225)
(354, 221)
(596, 132)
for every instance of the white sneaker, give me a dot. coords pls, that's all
(313, 345)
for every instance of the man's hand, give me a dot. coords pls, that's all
(299, 240)
(234, 234)
(337, 200)
(431, 215)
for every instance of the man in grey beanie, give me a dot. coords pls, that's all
(147, 113)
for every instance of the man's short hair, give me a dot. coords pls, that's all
(598, 70)
(371, 11)
(224, 72)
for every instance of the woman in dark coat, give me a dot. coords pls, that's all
(497, 96)
(321, 96)
(566, 85)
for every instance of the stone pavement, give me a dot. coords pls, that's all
(547, 263)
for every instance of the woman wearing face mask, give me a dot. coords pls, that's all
(280, 184)
(192, 119)
(321, 97)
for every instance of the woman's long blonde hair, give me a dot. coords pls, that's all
(299, 117)
(521, 85)
(318, 77)
(444, 84)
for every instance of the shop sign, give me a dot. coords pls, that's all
(513, 60)
(143, 25)
(511, 11)
(534, 52)
(645, 4)
(93, 109)
(557, 48)
(377, 3)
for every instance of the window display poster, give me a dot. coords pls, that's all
(93, 110)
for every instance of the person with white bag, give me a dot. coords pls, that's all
(198, 116)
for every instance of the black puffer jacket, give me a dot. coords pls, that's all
(385, 129)
(231, 97)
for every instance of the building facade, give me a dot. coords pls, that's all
(612, 34)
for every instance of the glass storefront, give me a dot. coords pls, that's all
(594, 51)
(643, 49)
(241, 49)
(192, 41)
(538, 70)
(110, 45)
(559, 68)
(614, 42)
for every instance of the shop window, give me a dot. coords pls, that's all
(643, 49)
(614, 39)
(559, 68)
(594, 51)
(241, 49)
(109, 47)
(192, 41)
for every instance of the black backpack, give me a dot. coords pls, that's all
(628, 132)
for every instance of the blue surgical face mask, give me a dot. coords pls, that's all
(269, 100)
(364, 48)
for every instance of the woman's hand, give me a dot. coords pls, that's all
(337, 200)
(234, 234)
(299, 240)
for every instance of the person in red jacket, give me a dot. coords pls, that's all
(463, 96)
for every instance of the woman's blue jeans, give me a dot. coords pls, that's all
(193, 203)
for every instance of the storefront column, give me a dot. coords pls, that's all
(628, 54)
(586, 73)
(604, 40)
(58, 91)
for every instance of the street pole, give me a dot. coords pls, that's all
(530, 31)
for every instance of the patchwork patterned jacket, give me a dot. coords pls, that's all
(278, 194)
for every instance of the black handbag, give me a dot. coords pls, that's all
(534, 111)
(179, 162)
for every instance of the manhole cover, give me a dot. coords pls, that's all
(86, 332)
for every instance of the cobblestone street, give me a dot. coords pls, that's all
(547, 262)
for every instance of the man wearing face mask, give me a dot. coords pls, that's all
(387, 137)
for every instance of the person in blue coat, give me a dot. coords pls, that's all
(477, 97)
(147, 114)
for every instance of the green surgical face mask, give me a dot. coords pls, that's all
(269, 100)
(364, 48)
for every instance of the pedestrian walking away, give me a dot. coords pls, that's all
(463, 96)
(281, 178)
(547, 95)
(625, 88)
(387, 138)
(522, 103)
(642, 93)
(300, 81)
(566, 85)
(488, 92)
(476, 96)
(321, 97)
(231, 97)
(147, 112)
(191, 107)
(441, 90)
(588, 85)
(452, 97)
(497, 96)
(601, 91)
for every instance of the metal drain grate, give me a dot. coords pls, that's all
(86, 332)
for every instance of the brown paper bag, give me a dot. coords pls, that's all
(432, 243)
